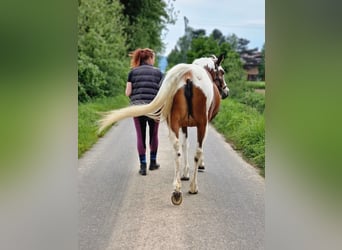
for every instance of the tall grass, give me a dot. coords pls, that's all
(256, 85)
(244, 127)
(253, 99)
(88, 115)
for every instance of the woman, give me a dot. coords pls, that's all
(142, 86)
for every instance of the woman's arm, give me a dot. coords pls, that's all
(128, 91)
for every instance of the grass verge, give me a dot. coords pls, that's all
(88, 115)
(256, 85)
(244, 127)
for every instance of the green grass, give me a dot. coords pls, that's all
(244, 127)
(88, 115)
(253, 99)
(256, 85)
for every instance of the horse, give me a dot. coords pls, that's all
(189, 96)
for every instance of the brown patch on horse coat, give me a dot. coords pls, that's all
(179, 110)
(215, 105)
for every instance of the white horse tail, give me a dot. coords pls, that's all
(161, 104)
(174, 79)
(113, 116)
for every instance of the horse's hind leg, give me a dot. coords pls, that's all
(177, 184)
(176, 197)
(185, 147)
(201, 132)
(201, 164)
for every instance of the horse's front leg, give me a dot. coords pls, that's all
(185, 147)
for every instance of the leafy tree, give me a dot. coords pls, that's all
(242, 45)
(180, 53)
(218, 36)
(146, 21)
(197, 33)
(202, 46)
(107, 31)
(233, 40)
(174, 57)
(101, 49)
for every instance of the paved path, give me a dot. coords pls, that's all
(119, 209)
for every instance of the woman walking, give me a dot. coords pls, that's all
(142, 86)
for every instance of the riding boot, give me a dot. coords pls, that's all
(142, 170)
(154, 165)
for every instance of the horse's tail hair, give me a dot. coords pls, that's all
(160, 107)
(188, 92)
(113, 116)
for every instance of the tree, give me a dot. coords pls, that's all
(180, 53)
(218, 36)
(233, 40)
(107, 31)
(146, 20)
(197, 33)
(101, 49)
(242, 45)
(204, 46)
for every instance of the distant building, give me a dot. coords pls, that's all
(251, 61)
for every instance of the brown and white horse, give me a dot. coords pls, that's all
(189, 96)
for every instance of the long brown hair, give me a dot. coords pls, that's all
(139, 56)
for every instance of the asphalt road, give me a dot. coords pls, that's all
(119, 209)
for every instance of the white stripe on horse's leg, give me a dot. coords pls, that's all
(177, 184)
(197, 159)
(201, 164)
(185, 147)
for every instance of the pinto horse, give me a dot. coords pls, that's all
(189, 96)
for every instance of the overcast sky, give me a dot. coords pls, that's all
(245, 18)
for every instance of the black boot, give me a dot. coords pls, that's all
(154, 165)
(142, 170)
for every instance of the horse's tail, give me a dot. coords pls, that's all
(113, 116)
(161, 104)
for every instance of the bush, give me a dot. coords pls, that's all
(237, 88)
(254, 100)
(91, 80)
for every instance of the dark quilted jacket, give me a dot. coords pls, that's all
(145, 81)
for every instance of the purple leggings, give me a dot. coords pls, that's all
(140, 127)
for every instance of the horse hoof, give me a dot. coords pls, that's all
(190, 192)
(201, 168)
(176, 198)
(183, 178)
